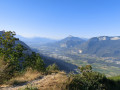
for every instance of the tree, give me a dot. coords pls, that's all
(13, 59)
(34, 61)
(87, 68)
(11, 52)
(52, 67)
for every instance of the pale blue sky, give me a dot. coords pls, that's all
(60, 18)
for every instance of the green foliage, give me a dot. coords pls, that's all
(35, 62)
(52, 67)
(90, 80)
(87, 80)
(10, 55)
(5, 71)
(12, 58)
(11, 52)
(87, 68)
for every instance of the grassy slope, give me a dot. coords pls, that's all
(55, 81)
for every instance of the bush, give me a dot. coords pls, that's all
(52, 68)
(6, 71)
(86, 80)
(34, 61)
(90, 80)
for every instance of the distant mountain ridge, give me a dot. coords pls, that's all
(70, 42)
(107, 38)
(35, 41)
(104, 46)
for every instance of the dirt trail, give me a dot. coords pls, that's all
(31, 83)
(49, 82)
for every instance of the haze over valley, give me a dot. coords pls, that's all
(101, 52)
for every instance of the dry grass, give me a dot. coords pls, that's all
(3, 64)
(25, 77)
(53, 82)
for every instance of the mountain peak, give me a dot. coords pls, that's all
(70, 36)
(101, 38)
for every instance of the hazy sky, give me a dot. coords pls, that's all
(60, 18)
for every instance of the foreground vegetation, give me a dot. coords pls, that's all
(14, 60)
(19, 68)
(90, 80)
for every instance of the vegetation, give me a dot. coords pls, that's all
(13, 60)
(87, 80)
(52, 68)
(90, 80)
(56, 81)
(28, 75)
(34, 61)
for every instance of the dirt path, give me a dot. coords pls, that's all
(31, 83)
(49, 82)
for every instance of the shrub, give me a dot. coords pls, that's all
(52, 68)
(86, 80)
(6, 72)
(35, 62)
(90, 80)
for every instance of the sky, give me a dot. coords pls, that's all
(58, 19)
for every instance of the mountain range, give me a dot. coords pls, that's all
(35, 41)
(101, 52)
(103, 46)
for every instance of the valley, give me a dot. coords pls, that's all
(73, 50)
(107, 65)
